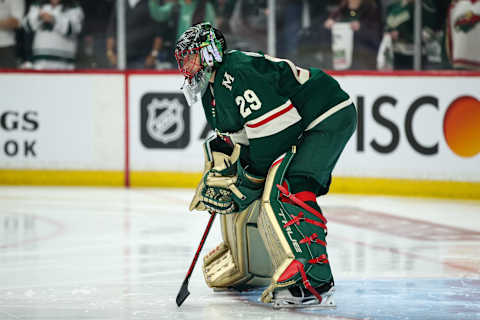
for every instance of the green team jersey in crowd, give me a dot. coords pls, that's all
(400, 17)
(266, 103)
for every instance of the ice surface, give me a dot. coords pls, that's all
(113, 253)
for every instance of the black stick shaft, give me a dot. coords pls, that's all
(183, 293)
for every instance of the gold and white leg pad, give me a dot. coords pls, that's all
(286, 230)
(241, 261)
(277, 245)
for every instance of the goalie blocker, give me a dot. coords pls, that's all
(296, 268)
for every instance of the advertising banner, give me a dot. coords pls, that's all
(62, 121)
(409, 127)
(165, 133)
(137, 126)
(414, 128)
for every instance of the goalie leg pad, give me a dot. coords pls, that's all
(241, 261)
(294, 235)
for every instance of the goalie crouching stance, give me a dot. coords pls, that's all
(280, 130)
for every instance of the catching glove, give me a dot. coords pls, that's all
(226, 186)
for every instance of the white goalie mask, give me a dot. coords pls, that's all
(198, 51)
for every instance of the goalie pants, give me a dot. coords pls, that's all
(319, 150)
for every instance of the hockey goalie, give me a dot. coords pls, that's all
(280, 130)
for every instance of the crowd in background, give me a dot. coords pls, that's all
(330, 34)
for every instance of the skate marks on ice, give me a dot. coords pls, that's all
(396, 299)
(105, 253)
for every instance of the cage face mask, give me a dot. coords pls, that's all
(198, 52)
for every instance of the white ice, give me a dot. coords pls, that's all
(114, 253)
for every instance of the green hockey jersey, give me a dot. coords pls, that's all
(267, 103)
(400, 17)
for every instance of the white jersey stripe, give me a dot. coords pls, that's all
(327, 114)
(269, 114)
(273, 121)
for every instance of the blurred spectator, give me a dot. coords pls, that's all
(11, 14)
(56, 25)
(289, 17)
(224, 11)
(92, 45)
(463, 34)
(248, 25)
(143, 35)
(441, 13)
(24, 40)
(314, 43)
(399, 27)
(177, 16)
(356, 34)
(184, 12)
(433, 60)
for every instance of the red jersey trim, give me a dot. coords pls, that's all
(270, 118)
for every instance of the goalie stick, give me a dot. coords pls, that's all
(184, 293)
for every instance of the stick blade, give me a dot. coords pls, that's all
(183, 293)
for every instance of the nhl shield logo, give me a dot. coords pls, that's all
(164, 120)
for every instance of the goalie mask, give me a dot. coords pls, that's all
(198, 51)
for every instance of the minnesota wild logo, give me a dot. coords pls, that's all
(467, 21)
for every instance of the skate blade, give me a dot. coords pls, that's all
(327, 305)
(327, 302)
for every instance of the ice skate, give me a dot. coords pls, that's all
(298, 297)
